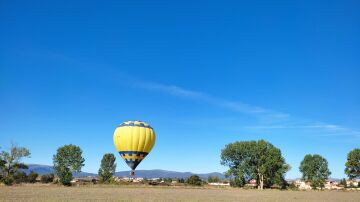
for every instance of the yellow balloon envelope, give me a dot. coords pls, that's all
(134, 140)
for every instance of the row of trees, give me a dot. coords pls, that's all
(262, 161)
(259, 160)
(68, 159)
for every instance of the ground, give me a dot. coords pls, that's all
(147, 193)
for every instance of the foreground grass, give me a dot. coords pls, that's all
(147, 193)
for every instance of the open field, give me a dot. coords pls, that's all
(128, 193)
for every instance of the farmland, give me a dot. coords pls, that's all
(39, 192)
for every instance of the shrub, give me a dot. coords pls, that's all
(32, 177)
(8, 180)
(47, 178)
(20, 177)
(238, 181)
(168, 180)
(292, 186)
(213, 179)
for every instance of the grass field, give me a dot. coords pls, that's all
(128, 193)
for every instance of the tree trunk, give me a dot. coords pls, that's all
(261, 182)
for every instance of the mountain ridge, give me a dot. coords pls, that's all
(153, 173)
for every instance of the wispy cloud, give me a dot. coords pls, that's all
(235, 106)
(267, 118)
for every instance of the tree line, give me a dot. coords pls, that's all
(263, 162)
(247, 160)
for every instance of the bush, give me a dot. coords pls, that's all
(194, 180)
(20, 177)
(47, 178)
(213, 179)
(292, 186)
(238, 182)
(94, 181)
(32, 177)
(8, 180)
(168, 180)
(181, 180)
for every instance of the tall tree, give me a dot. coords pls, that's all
(315, 169)
(107, 167)
(68, 159)
(258, 160)
(352, 164)
(10, 161)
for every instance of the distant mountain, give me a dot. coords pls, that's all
(45, 169)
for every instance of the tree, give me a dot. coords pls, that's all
(180, 180)
(213, 179)
(315, 169)
(32, 177)
(343, 183)
(238, 181)
(2, 164)
(352, 164)
(107, 167)
(10, 162)
(258, 160)
(68, 159)
(194, 180)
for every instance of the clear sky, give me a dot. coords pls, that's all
(203, 74)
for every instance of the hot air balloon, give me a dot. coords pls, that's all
(134, 140)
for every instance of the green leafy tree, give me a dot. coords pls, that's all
(2, 164)
(238, 181)
(67, 160)
(10, 161)
(32, 177)
(352, 164)
(258, 160)
(213, 179)
(194, 180)
(314, 168)
(107, 167)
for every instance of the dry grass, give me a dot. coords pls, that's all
(147, 193)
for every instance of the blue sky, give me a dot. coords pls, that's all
(203, 74)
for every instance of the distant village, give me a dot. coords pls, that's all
(297, 184)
